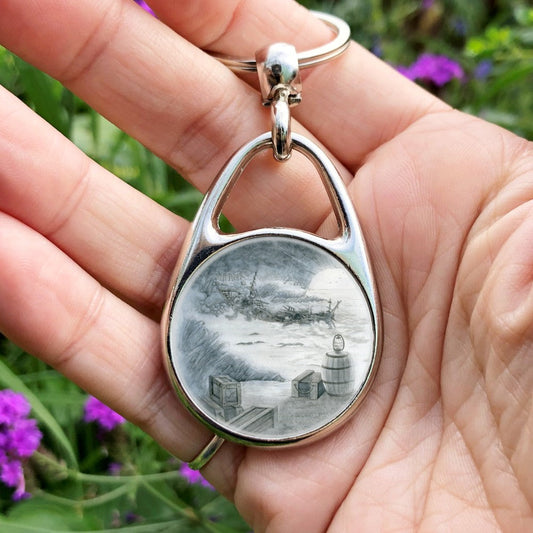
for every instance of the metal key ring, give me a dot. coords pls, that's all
(308, 58)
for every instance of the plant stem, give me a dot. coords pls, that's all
(181, 508)
(107, 479)
(92, 502)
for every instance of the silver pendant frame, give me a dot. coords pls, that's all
(205, 240)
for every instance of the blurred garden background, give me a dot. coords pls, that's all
(68, 463)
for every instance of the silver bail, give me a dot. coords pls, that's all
(281, 88)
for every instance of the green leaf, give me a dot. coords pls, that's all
(502, 82)
(498, 37)
(10, 380)
(44, 94)
(223, 517)
(12, 527)
(476, 46)
(523, 15)
(158, 527)
(525, 37)
(39, 515)
(9, 77)
(495, 39)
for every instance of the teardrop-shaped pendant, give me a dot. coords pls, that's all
(273, 336)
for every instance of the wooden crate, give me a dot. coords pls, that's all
(308, 384)
(225, 391)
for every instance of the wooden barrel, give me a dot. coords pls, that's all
(338, 373)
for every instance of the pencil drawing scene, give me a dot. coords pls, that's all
(272, 337)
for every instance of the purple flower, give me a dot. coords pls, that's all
(145, 6)
(25, 437)
(104, 416)
(460, 27)
(19, 438)
(483, 69)
(13, 406)
(114, 468)
(377, 49)
(406, 71)
(193, 476)
(11, 472)
(131, 518)
(438, 69)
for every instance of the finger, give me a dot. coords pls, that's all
(55, 310)
(181, 103)
(356, 95)
(96, 218)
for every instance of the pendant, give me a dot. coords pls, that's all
(272, 337)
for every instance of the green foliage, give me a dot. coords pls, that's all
(68, 477)
(476, 33)
(10, 380)
(134, 163)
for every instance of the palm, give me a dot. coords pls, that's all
(443, 439)
(443, 436)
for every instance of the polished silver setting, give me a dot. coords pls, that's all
(308, 58)
(281, 88)
(199, 385)
(277, 68)
(281, 126)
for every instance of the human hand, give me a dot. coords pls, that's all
(443, 439)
